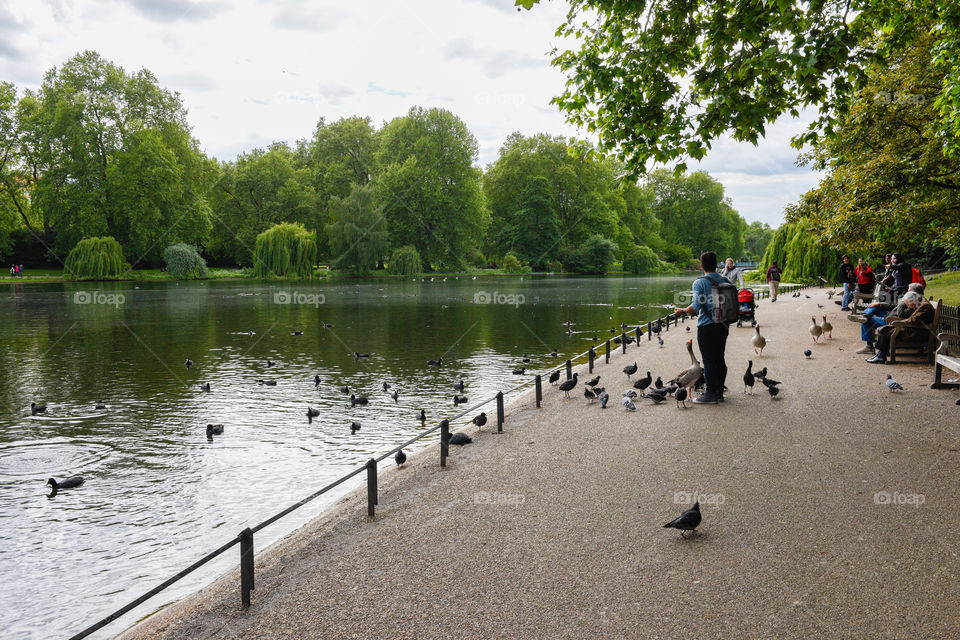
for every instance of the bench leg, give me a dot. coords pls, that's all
(938, 379)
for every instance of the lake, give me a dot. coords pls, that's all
(158, 494)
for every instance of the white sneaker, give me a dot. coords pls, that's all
(865, 350)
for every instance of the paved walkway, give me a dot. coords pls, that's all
(553, 529)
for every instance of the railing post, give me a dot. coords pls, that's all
(668, 322)
(590, 355)
(623, 341)
(639, 335)
(500, 409)
(371, 487)
(539, 382)
(649, 332)
(569, 369)
(608, 351)
(444, 442)
(246, 567)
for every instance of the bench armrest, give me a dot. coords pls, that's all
(944, 338)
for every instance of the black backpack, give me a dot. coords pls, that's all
(724, 308)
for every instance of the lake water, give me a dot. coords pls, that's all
(158, 494)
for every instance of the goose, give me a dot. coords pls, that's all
(395, 395)
(354, 427)
(312, 413)
(401, 457)
(815, 330)
(554, 376)
(589, 395)
(271, 363)
(748, 378)
(630, 370)
(99, 405)
(827, 328)
(344, 390)
(480, 420)
(759, 342)
(681, 398)
(422, 416)
(69, 483)
(316, 381)
(643, 383)
(519, 372)
(214, 430)
(459, 400)
(459, 386)
(188, 363)
(37, 408)
(689, 375)
(269, 383)
(592, 382)
(567, 385)
(603, 397)
(205, 386)
(355, 400)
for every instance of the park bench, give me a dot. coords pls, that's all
(946, 357)
(925, 345)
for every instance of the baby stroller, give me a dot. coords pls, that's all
(746, 300)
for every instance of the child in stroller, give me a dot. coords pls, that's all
(746, 300)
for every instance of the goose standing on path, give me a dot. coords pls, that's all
(567, 385)
(759, 342)
(748, 378)
(691, 374)
(827, 328)
(815, 330)
(630, 370)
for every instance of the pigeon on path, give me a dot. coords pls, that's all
(892, 384)
(628, 403)
(689, 520)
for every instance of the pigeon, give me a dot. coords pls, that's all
(603, 396)
(628, 403)
(189, 363)
(681, 397)
(312, 413)
(554, 377)
(593, 382)
(643, 383)
(37, 408)
(767, 382)
(892, 384)
(401, 457)
(689, 520)
(354, 400)
(630, 370)
(659, 383)
(589, 394)
(214, 430)
(748, 377)
(660, 341)
(762, 373)
(630, 393)
(657, 395)
(807, 352)
(69, 483)
(480, 420)
(567, 385)
(354, 427)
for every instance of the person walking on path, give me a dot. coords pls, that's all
(848, 276)
(773, 279)
(732, 273)
(711, 336)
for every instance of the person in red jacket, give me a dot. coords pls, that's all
(866, 279)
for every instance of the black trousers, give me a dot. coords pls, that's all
(712, 340)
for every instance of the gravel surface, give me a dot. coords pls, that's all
(829, 512)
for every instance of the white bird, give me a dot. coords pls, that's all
(759, 342)
(827, 328)
(815, 330)
(892, 384)
(628, 403)
(630, 393)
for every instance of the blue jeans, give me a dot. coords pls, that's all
(847, 295)
(876, 317)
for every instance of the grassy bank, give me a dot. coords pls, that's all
(946, 286)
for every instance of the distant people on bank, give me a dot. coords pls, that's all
(877, 312)
(732, 273)
(773, 279)
(866, 279)
(711, 336)
(911, 328)
(847, 276)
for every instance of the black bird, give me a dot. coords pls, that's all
(214, 430)
(423, 415)
(689, 520)
(767, 382)
(659, 383)
(401, 457)
(327, 325)
(459, 400)
(603, 396)
(205, 386)
(591, 351)
(386, 385)
(630, 370)
(554, 353)
(762, 373)
(525, 358)
(589, 395)
(270, 363)
(189, 363)
(269, 383)
(519, 372)
(435, 363)
(670, 390)
(395, 394)
(99, 405)
(459, 439)
(480, 420)
(657, 395)
(357, 356)
(354, 400)
(344, 390)
(37, 408)
(316, 380)
(612, 329)
(748, 377)
(656, 329)
(567, 385)
(643, 383)
(774, 390)
(660, 341)
(354, 427)
(592, 382)
(297, 333)
(688, 328)
(69, 483)
(459, 386)
(554, 376)
(808, 353)
(312, 413)
(681, 397)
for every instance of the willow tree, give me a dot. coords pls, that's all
(96, 259)
(800, 253)
(285, 250)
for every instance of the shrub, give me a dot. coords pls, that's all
(96, 259)
(511, 264)
(476, 259)
(594, 257)
(285, 250)
(405, 261)
(640, 259)
(184, 262)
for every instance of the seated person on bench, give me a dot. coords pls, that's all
(915, 326)
(876, 316)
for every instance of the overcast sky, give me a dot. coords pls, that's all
(254, 72)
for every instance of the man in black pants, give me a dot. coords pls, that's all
(711, 336)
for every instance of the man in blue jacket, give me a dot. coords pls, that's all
(711, 336)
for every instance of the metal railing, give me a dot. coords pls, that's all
(246, 537)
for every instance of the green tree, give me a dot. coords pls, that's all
(756, 238)
(405, 261)
(13, 200)
(285, 250)
(341, 154)
(801, 255)
(428, 186)
(742, 64)
(641, 260)
(183, 261)
(96, 259)
(358, 231)
(536, 237)
(594, 257)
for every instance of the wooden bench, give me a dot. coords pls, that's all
(948, 358)
(926, 344)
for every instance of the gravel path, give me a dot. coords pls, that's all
(554, 528)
